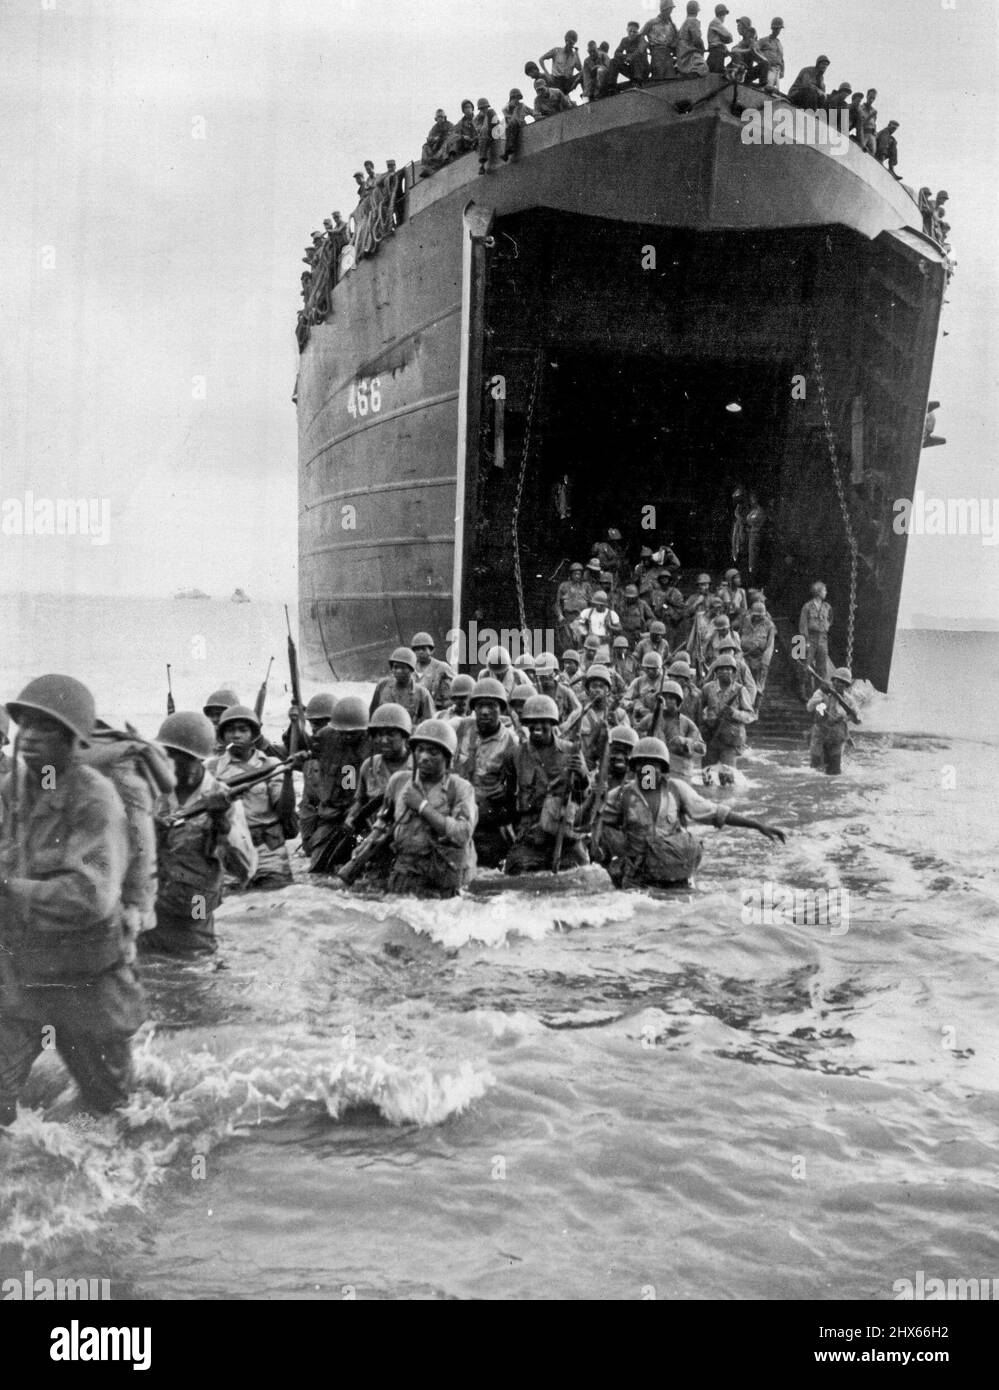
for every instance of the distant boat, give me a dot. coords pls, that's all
(239, 596)
(191, 593)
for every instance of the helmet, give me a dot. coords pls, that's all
(613, 534)
(497, 656)
(731, 644)
(391, 717)
(726, 662)
(649, 750)
(704, 579)
(721, 621)
(631, 591)
(843, 673)
(652, 661)
(62, 698)
(403, 656)
(236, 714)
(423, 639)
(599, 596)
(594, 565)
(732, 574)
(621, 643)
(321, 706)
(350, 715)
(570, 655)
(525, 663)
(657, 629)
(488, 689)
(682, 669)
(188, 732)
(521, 693)
(646, 552)
(220, 699)
(576, 565)
(623, 735)
(539, 708)
(592, 643)
(757, 606)
(546, 663)
(462, 685)
(598, 673)
(437, 732)
(672, 688)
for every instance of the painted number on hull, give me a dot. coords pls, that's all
(365, 397)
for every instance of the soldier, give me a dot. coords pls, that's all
(773, 51)
(524, 666)
(64, 854)
(745, 57)
(548, 101)
(570, 600)
(435, 147)
(550, 684)
(214, 708)
(549, 770)
(402, 688)
(342, 749)
(566, 70)
(622, 664)
(670, 611)
(461, 689)
(719, 39)
(499, 668)
(683, 673)
(485, 758)
(597, 73)
(642, 696)
(834, 712)
(389, 731)
(608, 555)
(635, 616)
(570, 666)
(630, 60)
(759, 635)
(813, 625)
(433, 818)
(730, 646)
(690, 44)
(270, 805)
(654, 641)
(655, 811)
(733, 597)
(463, 137)
(318, 713)
(435, 676)
(195, 854)
(484, 120)
(679, 733)
(607, 836)
(886, 148)
(869, 123)
(661, 36)
(599, 715)
(808, 90)
(599, 620)
(727, 709)
(515, 115)
(519, 696)
(588, 657)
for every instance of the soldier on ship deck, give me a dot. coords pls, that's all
(719, 39)
(630, 60)
(660, 34)
(434, 154)
(515, 115)
(566, 69)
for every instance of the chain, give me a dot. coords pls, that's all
(851, 539)
(525, 459)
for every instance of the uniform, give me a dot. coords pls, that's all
(640, 700)
(260, 804)
(635, 617)
(683, 739)
(724, 715)
(758, 641)
(572, 597)
(659, 850)
(436, 678)
(541, 775)
(414, 698)
(424, 862)
(486, 761)
(830, 732)
(814, 624)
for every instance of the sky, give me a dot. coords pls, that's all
(164, 165)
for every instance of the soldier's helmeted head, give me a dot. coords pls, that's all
(633, 27)
(571, 37)
(818, 589)
(467, 109)
(540, 85)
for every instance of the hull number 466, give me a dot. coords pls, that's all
(365, 397)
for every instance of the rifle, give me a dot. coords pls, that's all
(567, 812)
(657, 713)
(171, 707)
(324, 858)
(297, 738)
(599, 800)
(365, 852)
(830, 689)
(236, 788)
(261, 700)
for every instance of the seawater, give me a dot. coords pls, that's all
(524, 1096)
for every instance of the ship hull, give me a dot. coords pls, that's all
(631, 273)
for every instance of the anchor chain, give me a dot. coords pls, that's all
(525, 459)
(851, 539)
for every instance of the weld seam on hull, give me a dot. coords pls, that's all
(378, 541)
(372, 595)
(425, 403)
(447, 481)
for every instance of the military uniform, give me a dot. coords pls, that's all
(659, 850)
(758, 640)
(814, 624)
(640, 700)
(64, 856)
(725, 714)
(424, 862)
(635, 617)
(414, 698)
(683, 739)
(341, 758)
(436, 678)
(571, 599)
(541, 775)
(486, 761)
(830, 733)
(260, 804)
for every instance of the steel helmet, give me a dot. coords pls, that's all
(546, 663)
(682, 669)
(672, 688)
(321, 706)
(757, 606)
(652, 661)
(657, 629)
(488, 689)
(721, 621)
(403, 656)
(237, 714)
(599, 597)
(462, 685)
(593, 564)
(704, 579)
(437, 732)
(730, 574)
(570, 655)
(598, 673)
(350, 715)
(525, 662)
(650, 750)
(731, 643)
(220, 699)
(188, 732)
(623, 735)
(726, 662)
(391, 717)
(497, 656)
(630, 591)
(62, 698)
(575, 566)
(520, 694)
(592, 643)
(613, 534)
(538, 709)
(621, 643)
(843, 673)
(423, 639)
